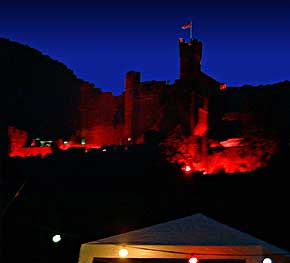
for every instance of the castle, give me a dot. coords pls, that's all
(153, 106)
(202, 124)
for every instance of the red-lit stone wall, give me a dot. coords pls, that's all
(99, 124)
(17, 139)
(132, 82)
(149, 106)
(249, 153)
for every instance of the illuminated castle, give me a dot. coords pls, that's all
(153, 106)
(203, 125)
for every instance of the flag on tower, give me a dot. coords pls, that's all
(186, 26)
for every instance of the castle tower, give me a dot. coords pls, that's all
(131, 84)
(190, 58)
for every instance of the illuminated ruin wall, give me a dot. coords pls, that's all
(101, 117)
(146, 107)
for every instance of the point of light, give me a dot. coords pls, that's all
(267, 260)
(193, 260)
(123, 252)
(187, 169)
(56, 238)
(223, 86)
(65, 142)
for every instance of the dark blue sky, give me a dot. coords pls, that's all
(245, 42)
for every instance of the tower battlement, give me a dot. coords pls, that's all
(190, 54)
(132, 79)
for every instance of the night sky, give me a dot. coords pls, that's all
(245, 42)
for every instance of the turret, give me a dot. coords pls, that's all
(190, 58)
(131, 84)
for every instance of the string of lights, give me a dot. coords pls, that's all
(56, 237)
(58, 234)
(207, 254)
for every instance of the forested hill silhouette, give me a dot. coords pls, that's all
(38, 94)
(268, 103)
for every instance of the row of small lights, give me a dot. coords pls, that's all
(123, 252)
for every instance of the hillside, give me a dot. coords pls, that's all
(38, 94)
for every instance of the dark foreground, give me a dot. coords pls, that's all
(85, 202)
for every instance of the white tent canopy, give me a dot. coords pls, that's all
(179, 239)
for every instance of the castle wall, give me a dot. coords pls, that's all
(149, 106)
(132, 82)
(98, 117)
(144, 106)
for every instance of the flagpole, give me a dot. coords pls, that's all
(190, 32)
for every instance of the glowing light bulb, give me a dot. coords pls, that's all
(267, 260)
(123, 252)
(56, 238)
(193, 260)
